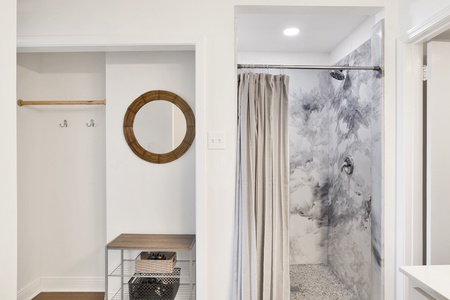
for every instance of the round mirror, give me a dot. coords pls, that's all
(159, 126)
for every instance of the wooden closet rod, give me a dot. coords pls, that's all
(61, 102)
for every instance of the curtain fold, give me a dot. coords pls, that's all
(261, 270)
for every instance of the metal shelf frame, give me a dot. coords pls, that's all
(129, 266)
(182, 244)
(185, 292)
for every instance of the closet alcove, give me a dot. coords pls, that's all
(80, 186)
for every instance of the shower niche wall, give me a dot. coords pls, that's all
(335, 210)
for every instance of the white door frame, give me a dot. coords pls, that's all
(148, 43)
(410, 142)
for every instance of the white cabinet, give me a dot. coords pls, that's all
(417, 293)
(429, 282)
(119, 274)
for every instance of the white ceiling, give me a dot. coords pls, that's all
(321, 29)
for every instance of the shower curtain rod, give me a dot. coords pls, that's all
(61, 102)
(309, 67)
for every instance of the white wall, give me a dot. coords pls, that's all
(282, 58)
(8, 173)
(62, 224)
(417, 12)
(355, 39)
(145, 197)
(28, 169)
(72, 180)
(215, 21)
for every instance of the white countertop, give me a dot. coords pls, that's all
(433, 279)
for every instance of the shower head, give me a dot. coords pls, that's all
(337, 74)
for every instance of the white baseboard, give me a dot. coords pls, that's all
(30, 291)
(62, 284)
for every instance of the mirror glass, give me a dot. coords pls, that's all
(159, 126)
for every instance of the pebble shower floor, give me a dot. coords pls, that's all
(317, 282)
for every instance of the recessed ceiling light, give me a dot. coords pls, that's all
(291, 31)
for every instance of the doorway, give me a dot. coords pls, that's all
(314, 228)
(415, 141)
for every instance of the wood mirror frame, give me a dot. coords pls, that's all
(131, 138)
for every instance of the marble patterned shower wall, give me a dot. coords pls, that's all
(309, 161)
(354, 108)
(331, 211)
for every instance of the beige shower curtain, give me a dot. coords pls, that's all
(262, 202)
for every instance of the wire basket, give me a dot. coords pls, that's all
(152, 288)
(145, 264)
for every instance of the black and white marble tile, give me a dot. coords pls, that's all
(309, 185)
(377, 255)
(349, 234)
(335, 217)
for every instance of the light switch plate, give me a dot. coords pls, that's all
(216, 140)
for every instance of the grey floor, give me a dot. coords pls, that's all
(317, 282)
